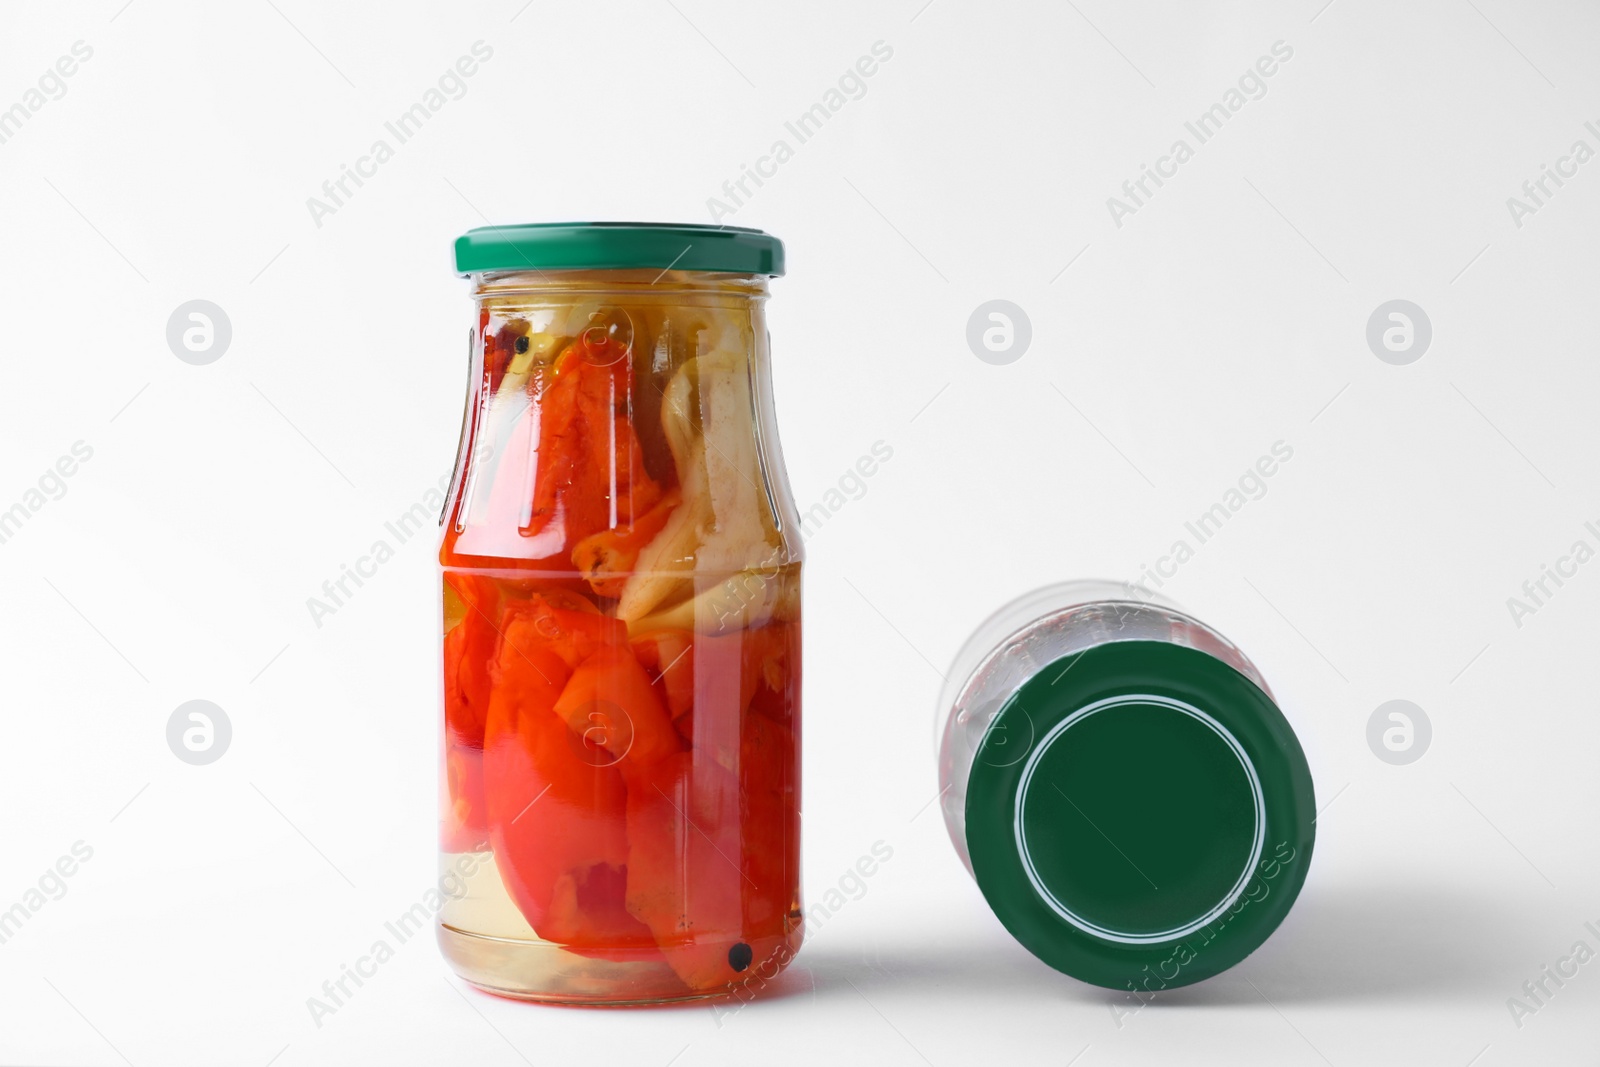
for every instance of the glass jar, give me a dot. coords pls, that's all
(1119, 780)
(621, 582)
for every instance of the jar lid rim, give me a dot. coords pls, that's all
(619, 246)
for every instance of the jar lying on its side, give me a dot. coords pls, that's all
(1119, 780)
(621, 580)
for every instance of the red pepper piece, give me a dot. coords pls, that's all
(610, 704)
(589, 916)
(770, 797)
(469, 649)
(758, 659)
(499, 348)
(465, 826)
(564, 624)
(748, 689)
(557, 820)
(591, 473)
(607, 557)
(605, 393)
(684, 879)
(555, 495)
(669, 656)
(774, 660)
(687, 831)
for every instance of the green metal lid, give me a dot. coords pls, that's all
(619, 246)
(1140, 815)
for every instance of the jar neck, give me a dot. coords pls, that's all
(646, 284)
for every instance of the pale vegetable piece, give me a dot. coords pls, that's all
(677, 420)
(725, 523)
(742, 534)
(665, 567)
(541, 346)
(743, 601)
(512, 394)
(573, 319)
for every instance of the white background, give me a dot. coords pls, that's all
(1226, 314)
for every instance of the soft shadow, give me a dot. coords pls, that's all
(1374, 943)
(1337, 945)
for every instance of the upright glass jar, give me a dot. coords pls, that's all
(1120, 781)
(621, 587)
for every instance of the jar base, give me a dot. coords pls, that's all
(545, 973)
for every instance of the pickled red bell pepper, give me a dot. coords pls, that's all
(556, 817)
(757, 660)
(669, 656)
(609, 702)
(590, 474)
(610, 835)
(564, 624)
(684, 877)
(754, 671)
(466, 817)
(469, 649)
(710, 849)
(771, 820)
(607, 557)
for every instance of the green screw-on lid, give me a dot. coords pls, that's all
(1140, 815)
(619, 246)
